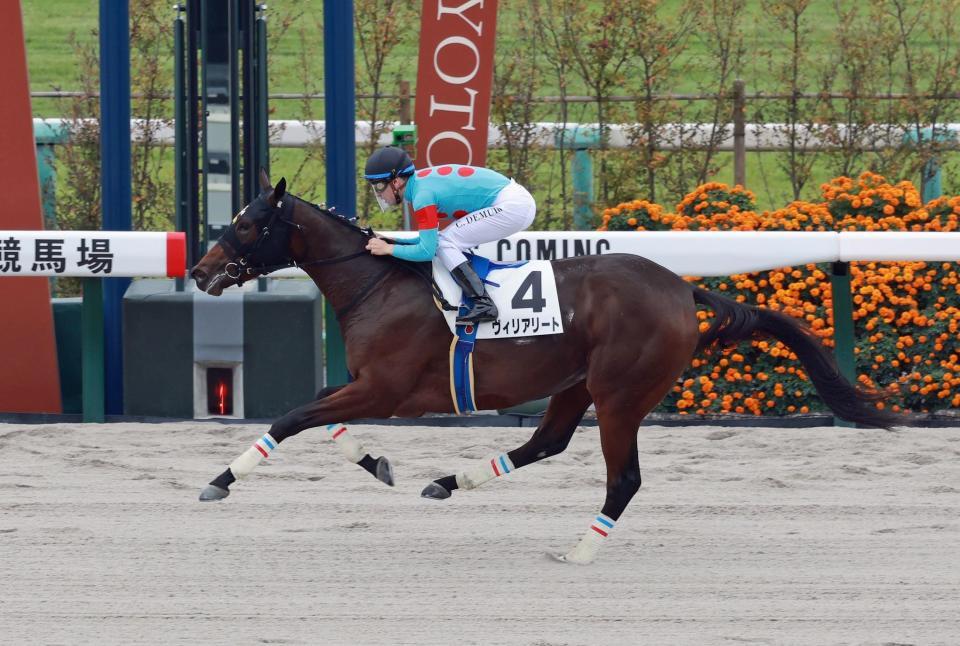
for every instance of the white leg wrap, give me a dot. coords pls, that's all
(493, 468)
(349, 445)
(586, 550)
(244, 465)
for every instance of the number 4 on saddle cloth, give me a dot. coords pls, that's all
(526, 296)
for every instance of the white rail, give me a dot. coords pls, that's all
(674, 136)
(92, 254)
(721, 253)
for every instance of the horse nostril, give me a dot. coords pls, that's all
(198, 274)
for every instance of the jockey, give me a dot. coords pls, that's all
(455, 207)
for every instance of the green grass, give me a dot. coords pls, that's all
(296, 64)
(49, 25)
(48, 29)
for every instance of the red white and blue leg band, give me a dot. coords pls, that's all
(501, 465)
(603, 525)
(586, 550)
(494, 468)
(265, 444)
(245, 462)
(348, 445)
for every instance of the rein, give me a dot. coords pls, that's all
(263, 270)
(242, 269)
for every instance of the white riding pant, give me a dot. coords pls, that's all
(512, 211)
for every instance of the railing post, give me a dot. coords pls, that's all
(92, 348)
(739, 133)
(930, 187)
(843, 326)
(46, 138)
(582, 170)
(581, 139)
(404, 102)
(930, 183)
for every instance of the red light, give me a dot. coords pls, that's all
(220, 391)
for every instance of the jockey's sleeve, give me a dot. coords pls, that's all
(424, 246)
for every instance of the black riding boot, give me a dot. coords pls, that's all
(483, 308)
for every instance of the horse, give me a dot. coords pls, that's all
(630, 331)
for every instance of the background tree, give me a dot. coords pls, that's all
(797, 75)
(659, 40)
(381, 25)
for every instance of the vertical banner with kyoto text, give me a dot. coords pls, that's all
(454, 79)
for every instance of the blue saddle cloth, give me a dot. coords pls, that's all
(461, 351)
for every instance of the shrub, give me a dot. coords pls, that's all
(638, 215)
(906, 327)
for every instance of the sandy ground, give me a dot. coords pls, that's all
(803, 536)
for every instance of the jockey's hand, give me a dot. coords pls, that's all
(379, 247)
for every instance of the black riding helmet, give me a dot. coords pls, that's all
(388, 163)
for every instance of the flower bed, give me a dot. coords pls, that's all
(906, 320)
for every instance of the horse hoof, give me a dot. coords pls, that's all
(435, 491)
(213, 492)
(566, 558)
(384, 471)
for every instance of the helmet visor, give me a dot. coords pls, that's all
(379, 189)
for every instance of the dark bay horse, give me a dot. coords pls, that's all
(631, 329)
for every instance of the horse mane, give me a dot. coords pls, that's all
(336, 217)
(421, 270)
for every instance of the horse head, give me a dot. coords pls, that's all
(261, 238)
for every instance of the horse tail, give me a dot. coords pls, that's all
(736, 322)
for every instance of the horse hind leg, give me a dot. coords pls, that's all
(564, 413)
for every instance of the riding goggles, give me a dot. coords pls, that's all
(379, 186)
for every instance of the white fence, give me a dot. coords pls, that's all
(674, 136)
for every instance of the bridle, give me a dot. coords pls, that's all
(244, 269)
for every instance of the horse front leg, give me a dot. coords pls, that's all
(563, 415)
(353, 450)
(619, 412)
(332, 405)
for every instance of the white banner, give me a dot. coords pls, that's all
(688, 253)
(721, 253)
(99, 254)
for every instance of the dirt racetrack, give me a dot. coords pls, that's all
(756, 536)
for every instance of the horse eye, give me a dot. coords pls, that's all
(243, 226)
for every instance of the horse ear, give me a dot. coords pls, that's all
(264, 179)
(280, 190)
